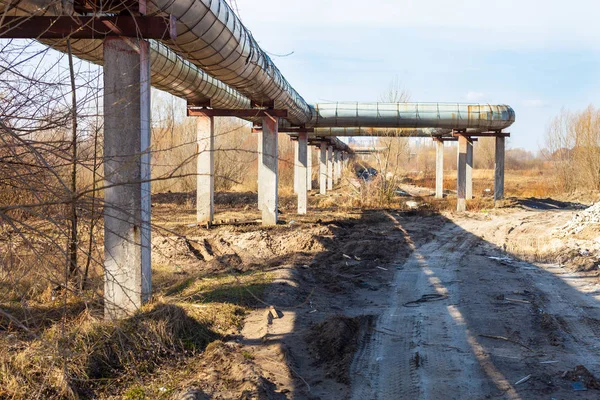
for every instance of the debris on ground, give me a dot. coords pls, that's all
(580, 374)
(588, 217)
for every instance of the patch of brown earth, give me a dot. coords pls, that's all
(228, 372)
(334, 341)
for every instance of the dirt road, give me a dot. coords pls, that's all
(465, 322)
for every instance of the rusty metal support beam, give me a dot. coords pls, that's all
(297, 130)
(76, 27)
(481, 134)
(453, 139)
(249, 113)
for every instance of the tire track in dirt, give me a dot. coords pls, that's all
(422, 351)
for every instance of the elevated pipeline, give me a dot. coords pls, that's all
(380, 132)
(170, 72)
(474, 117)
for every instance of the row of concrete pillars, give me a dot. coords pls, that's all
(464, 179)
(127, 194)
(127, 223)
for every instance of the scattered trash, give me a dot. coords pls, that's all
(313, 311)
(501, 259)
(357, 258)
(305, 266)
(517, 300)
(413, 205)
(347, 256)
(587, 217)
(292, 222)
(523, 380)
(385, 269)
(583, 378)
(507, 340)
(426, 298)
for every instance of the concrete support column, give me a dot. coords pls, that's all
(499, 169)
(461, 182)
(469, 170)
(330, 168)
(259, 153)
(127, 255)
(439, 168)
(302, 171)
(269, 176)
(205, 180)
(296, 166)
(323, 169)
(309, 168)
(336, 165)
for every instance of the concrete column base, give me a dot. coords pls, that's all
(269, 174)
(205, 180)
(127, 236)
(439, 169)
(499, 169)
(323, 169)
(330, 168)
(302, 170)
(469, 170)
(309, 168)
(461, 203)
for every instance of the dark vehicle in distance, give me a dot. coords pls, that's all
(366, 173)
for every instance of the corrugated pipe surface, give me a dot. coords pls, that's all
(170, 72)
(211, 36)
(381, 132)
(478, 117)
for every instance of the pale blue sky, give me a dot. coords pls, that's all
(537, 56)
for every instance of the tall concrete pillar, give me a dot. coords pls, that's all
(309, 168)
(469, 170)
(259, 153)
(439, 168)
(461, 181)
(127, 254)
(296, 166)
(335, 167)
(269, 174)
(205, 180)
(499, 169)
(323, 169)
(330, 168)
(302, 170)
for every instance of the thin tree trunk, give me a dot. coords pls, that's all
(74, 239)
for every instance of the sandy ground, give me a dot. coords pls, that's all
(496, 320)
(409, 305)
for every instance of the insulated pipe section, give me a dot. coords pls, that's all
(475, 117)
(169, 71)
(381, 132)
(211, 36)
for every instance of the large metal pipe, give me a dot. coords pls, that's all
(479, 117)
(211, 36)
(381, 132)
(169, 71)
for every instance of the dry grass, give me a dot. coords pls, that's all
(66, 350)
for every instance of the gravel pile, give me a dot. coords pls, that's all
(589, 216)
